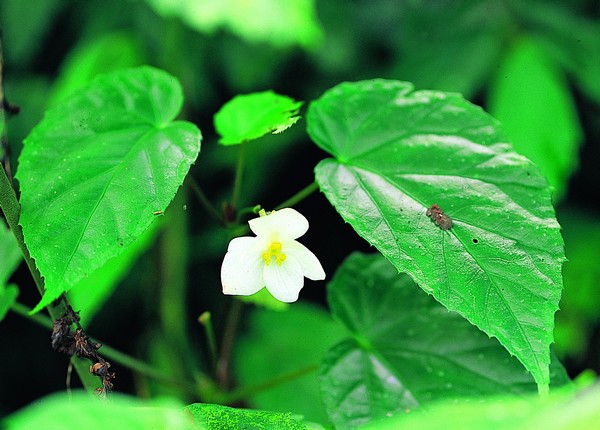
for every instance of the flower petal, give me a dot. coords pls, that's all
(310, 264)
(241, 272)
(285, 223)
(284, 281)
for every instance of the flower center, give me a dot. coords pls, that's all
(274, 252)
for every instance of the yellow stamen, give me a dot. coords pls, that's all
(274, 251)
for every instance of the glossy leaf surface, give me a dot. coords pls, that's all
(406, 350)
(396, 152)
(250, 116)
(217, 417)
(97, 171)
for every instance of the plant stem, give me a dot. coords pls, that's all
(113, 354)
(208, 206)
(206, 320)
(227, 343)
(239, 173)
(299, 196)
(245, 392)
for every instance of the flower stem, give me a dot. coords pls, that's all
(245, 392)
(299, 196)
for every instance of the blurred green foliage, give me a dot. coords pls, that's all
(300, 49)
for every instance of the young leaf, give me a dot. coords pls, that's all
(8, 296)
(407, 350)
(250, 116)
(217, 417)
(80, 410)
(396, 153)
(532, 100)
(98, 168)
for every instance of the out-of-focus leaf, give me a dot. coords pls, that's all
(217, 417)
(24, 24)
(281, 342)
(250, 116)
(10, 254)
(407, 350)
(280, 23)
(559, 411)
(10, 257)
(98, 170)
(396, 153)
(580, 303)
(82, 411)
(572, 39)
(105, 54)
(265, 299)
(450, 46)
(533, 102)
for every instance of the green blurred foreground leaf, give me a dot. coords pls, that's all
(407, 350)
(250, 116)
(98, 169)
(396, 153)
(559, 411)
(217, 417)
(532, 100)
(82, 411)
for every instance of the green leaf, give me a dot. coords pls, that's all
(406, 349)
(573, 39)
(452, 57)
(217, 417)
(8, 296)
(250, 116)
(98, 169)
(397, 152)
(559, 411)
(279, 343)
(281, 24)
(104, 54)
(579, 311)
(80, 410)
(10, 254)
(532, 100)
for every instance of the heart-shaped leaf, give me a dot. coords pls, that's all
(250, 116)
(98, 169)
(406, 350)
(492, 249)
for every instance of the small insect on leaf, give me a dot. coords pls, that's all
(157, 213)
(440, 219)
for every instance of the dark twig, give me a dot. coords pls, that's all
(79, 344)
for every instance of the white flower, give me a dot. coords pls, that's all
(272, 259)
